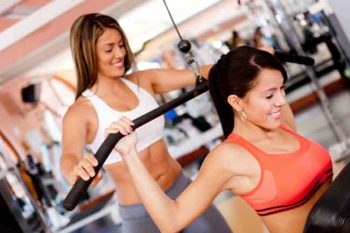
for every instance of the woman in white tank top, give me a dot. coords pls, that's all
(107, 97)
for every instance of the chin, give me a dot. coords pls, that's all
(276, 124)
(117, 70)
(271, 125)
(117, 73)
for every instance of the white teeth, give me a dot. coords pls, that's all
(276, 114)
(119, 64)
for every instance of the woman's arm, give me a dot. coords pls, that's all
(170, 215)
(165, 80)
(73, 162)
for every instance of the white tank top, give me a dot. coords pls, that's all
(147, 134)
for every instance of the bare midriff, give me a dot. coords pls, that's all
(293, 221)
(163, 168)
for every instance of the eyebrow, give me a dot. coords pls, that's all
(273, 89)
(112, 43)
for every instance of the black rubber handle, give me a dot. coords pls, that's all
(80, 187)
(292, 58)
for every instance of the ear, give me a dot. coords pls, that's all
(235, 102)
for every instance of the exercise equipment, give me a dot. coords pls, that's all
(290, 33)
(81, 186)
(331, 213)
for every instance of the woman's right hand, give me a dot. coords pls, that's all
(127, 143)
(85, 170)
(122, 125)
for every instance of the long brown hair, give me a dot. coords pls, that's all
(83, 37)
(236, 73)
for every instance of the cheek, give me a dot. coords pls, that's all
(259, 109)
(103, 67)
(100, 59)
(101, 64)
(123, 50)
(103, 61)
(104, 58)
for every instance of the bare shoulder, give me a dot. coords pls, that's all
(144, 78)
(80, 110)
(229, 148)
(228, 155)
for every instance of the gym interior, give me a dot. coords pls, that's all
(38, 84)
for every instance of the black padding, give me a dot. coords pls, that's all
(31, 93)
(293, 58)
(331, 213)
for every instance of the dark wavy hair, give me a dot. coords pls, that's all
(236, 73)
(84, 34)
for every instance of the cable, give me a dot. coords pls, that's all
(185, 47)
(172, 20)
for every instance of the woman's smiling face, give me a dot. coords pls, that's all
(111, 53)
(263, 102)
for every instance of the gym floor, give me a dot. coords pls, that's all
(311, 122)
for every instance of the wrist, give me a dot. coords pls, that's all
(131, 155)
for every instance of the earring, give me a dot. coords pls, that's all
(243, 115)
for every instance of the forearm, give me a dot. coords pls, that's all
(67, 164)
(205, 70)
(164, 211)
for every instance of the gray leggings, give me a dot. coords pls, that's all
(135, 218)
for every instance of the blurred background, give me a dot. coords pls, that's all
(37, 84)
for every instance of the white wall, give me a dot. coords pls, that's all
(342, 11)
(340, 19)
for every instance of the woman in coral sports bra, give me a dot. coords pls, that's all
(278, 172)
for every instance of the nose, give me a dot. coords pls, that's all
(119, 53)
(281, 99)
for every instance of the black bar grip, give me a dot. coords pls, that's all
(80, 187)
(293, 58)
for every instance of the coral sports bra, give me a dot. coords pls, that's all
(287, 180)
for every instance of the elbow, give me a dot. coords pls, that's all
(171, 226)
(169, 229)
(171, 219)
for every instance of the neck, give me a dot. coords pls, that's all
(248, 130)
(106, 85)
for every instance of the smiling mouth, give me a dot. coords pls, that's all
(118, 64)
(276, 114)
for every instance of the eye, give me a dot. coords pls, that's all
(108, 50)
(121, 45)
(269, 97)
